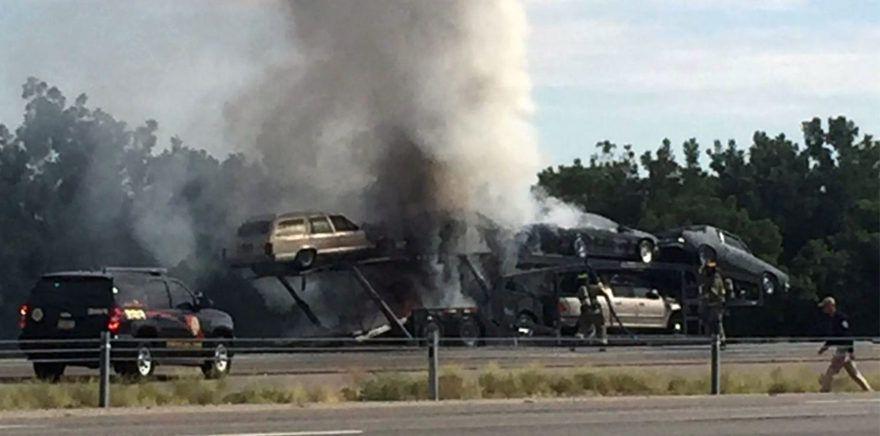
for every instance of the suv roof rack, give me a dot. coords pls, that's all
(142, 270)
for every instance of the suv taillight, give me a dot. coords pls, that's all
(114, 320)
(268, 249)
(23, 313)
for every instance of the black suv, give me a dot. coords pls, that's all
(152, 318)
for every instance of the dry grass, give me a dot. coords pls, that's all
(455, 383)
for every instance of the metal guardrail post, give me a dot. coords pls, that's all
(104, 384)
(716, 364)
(433, 361)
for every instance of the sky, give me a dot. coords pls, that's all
(632, 72)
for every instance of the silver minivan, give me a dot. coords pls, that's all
(297, 238)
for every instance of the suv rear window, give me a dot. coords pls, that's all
(254, 228)
(73, 291)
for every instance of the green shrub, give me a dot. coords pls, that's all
(393, 387)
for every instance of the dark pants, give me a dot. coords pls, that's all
(715, 319)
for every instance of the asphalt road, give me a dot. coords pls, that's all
(414, 359)
(802, 414)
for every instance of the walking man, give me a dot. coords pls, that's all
(838, 327)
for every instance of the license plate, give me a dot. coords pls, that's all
(66, 324)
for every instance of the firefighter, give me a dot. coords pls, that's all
(714, 294)
(838, 327)
(591, 323)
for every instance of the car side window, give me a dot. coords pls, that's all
(137, 290)
(342, 224)
(181, 298)
(320, 225)
(623, 291)
(291, 227)
(734, 241)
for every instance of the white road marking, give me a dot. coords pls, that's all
(856, 400)
(15, 426)
(298, 433)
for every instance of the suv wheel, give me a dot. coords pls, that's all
(49, 371)
(305, 258)
(142, 367)
(220, 363)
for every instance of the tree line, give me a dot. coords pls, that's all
(812, 209)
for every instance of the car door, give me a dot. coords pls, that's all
(651, 307)
(625, 304)
(348, 234)
(738, 259)
(321, 234)
(187, 325)
(291, 234)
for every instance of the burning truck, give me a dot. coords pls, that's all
(473, 283)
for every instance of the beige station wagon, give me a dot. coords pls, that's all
(297, 238)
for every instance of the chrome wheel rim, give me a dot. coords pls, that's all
(768, 285)
(144, 362)
(580, 247)
(646, 251)
(221, 358)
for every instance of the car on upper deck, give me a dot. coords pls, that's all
(701, 243)
(600, 237)
(295, 239)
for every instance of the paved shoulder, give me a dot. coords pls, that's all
(725, 415)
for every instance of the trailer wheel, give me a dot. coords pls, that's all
(525, 324)
(469, 332)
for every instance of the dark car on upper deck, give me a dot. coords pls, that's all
(701, 243)
(600, 237)
(152, 318)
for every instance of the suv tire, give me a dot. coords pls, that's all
(141, 368)
(220, 363)
(49, 371)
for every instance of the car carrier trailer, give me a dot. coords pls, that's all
(521, 302)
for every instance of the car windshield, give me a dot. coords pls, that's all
(597, 222)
